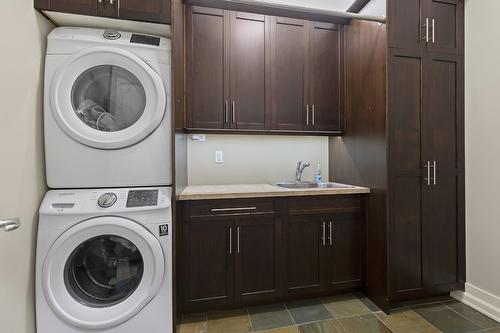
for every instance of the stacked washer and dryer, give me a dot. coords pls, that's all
(104, 248)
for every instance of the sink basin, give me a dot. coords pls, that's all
(306, 185)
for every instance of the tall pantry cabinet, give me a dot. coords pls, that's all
(426, 141)
(410, 74)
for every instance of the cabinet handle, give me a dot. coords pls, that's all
(434, 167)
(307, 115)
(234, 112)
(323, 226)
(331, 233)
(433, 31)
(426, 27)
(219, 210)
(428, 178)
(238, 239)
(226, 115)
(230, 240)
(313, 114)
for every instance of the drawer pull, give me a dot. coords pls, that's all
(235, 209)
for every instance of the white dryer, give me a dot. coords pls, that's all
(107, 109)
(104, 261)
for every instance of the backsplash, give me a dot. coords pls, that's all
(254, 159)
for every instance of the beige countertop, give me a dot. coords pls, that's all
(205, 192)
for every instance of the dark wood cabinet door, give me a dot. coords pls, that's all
(447, 25)
(304, 250)
(206, 69)
(344, 243)
(289, 73)
(407, 157)
(157, 11)
(324, 76)
(208, 263)
(406, 25)
(442, 228)
(83, 7)
(257, 248)
(250, 65)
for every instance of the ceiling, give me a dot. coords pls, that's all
(334, 5)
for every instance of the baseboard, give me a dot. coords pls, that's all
(479, 299)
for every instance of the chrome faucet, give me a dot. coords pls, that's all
(300, 168)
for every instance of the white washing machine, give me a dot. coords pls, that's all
(104, 261)
(107, 109)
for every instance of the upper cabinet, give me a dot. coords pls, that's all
(324, 77)
(251, 72)
(227, 69)
(155, 11)
(435, 25)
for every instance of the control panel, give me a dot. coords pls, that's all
(142, 198)
(109, 201)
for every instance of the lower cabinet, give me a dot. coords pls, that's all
(208, 269)
(324, 253)
(250, 251)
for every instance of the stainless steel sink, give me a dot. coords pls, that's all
(306, 185)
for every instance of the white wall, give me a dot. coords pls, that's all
(254, 159)
(22, 181)
(482, 117)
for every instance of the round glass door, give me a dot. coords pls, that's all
(103, 271)
(107, 98)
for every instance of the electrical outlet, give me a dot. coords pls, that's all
(199, 137)
(219, 156)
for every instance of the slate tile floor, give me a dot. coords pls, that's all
(352, 313)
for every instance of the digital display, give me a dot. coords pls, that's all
(143, 39)
(142, 198)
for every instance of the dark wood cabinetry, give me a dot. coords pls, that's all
(415, 236)
(261, 250)
(324, 77)
(426, 156)
(227, 74)
(270, 74)
(208, 248)
(206, 71)
(243, 266)
(324, 244)
(155, 11)
(289, 73)
(304, 254)
(434, 25)
(258, 243)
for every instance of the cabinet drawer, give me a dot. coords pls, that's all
(231, 207)
(324, 205)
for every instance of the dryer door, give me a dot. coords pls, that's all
(107, 98)
(103, 271)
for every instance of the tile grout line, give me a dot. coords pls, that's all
(428, 322)
(249, 320)
(480, 328)
(290, 313)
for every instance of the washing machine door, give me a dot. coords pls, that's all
(101, 272)
(107, 98)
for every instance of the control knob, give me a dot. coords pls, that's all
(107, 200)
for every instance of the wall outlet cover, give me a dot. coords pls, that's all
(199, 137)
(219, 156)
